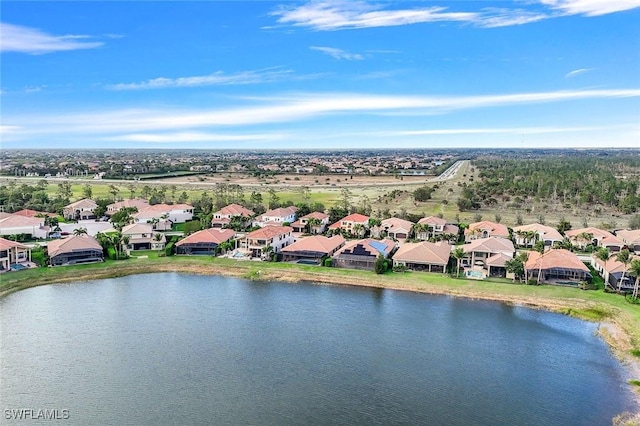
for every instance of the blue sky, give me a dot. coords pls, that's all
(320, 74)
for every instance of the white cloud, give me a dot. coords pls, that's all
(577, 72)
(285, 109)
(16, 38)
(328, 15)
(216, 79)
(182, 137)
(499, 130)
(591, 7)
(338, 53)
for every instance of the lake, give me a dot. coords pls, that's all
(188, 349)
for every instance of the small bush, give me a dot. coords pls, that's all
(111, 253)
(328, 262)
(168, 250)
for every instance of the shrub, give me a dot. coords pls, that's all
(328, 262)
(168, 250)
(111, 253)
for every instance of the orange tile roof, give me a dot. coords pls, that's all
(316, 243)
(84, 203)
(495, 229)
(596, 232)
(269, 232)
(211, 235)
(424, 252)
(235, 210)
(33, 213)
(7, 244)
(432, 220)
(315, 215)
(546, 232)
(16, 221)
(73, 243)
(489, 245)
(629, 236)
(555, 258)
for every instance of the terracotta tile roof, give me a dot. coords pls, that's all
(33, 213)
(596, 232)
(138, 228)
(424, 252)
(432, 220)
(492, 228)
(212, 235)
(315, 215)
(556, 258)
(281, 212)
(450, 229)
(489, 245)
(4, 215)
(374, 247)
(85, 203)
(612, 265)
(73, 243)
(629, 236)
(545, 232)
(499, 259)
(354, 217)
(316, 243)
(395, 224)
(15, 221)
(235, 210)
(7, 244)
(269, 232)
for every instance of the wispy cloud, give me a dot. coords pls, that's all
(490, 131)
(338, 53)
(16, 38)
(185, 137)
(284, 109)
(577, 72)
(218, 78)
(329, 15)
(591, 7)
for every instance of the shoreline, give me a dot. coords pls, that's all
(613, 328)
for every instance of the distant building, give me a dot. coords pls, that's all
(485, 229)
(80, 210)
(546, 234)
(276, 217)
(318, 219)
(222, 217)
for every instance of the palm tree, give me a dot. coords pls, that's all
(624, 257)
(80, 231)
(458, 254)
(311, 224)
(358, 229)
(587, 237)
(635, 271)
(540, 248)
(604, 255)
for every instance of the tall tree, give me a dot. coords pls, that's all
(458, 254)
(624, 257)
(635, 271)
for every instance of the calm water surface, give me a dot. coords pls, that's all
(182, 349)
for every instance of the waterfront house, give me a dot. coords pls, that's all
(142, 237)
(435, 227)
(312, 223)
(222, 217)
(204, 242)
(277, 217)
(614, 273)
(74, 250)
(423, 256)
(33, 227)
(594, 236)
(312, 249)
(396, 228)
(269, 238)
(362, 254)
(527, 235)
(80, 210)
(137, 203)
(13, 253)
(353, 224)
(485, 229)
(558, 266)
(486, 257)
(630, 238)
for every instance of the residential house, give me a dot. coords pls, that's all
(204, 242)
(162, 216)
(142, 237)
(33, 213)
(13, 224)
(80, 210)
(612, 273)
(354, 224)
(557, 266)
(12, 253)
(362, 254)
(630, 238)
(396, 228)
(137, 203)
(312, 249)
(277, 217)
(487, 257)
(276, 237)
(74, 250)
(527, 235)
(312, 223)
(423, 256)
(222, 217)
(485, 229)
(435, 227)
(593, 236)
